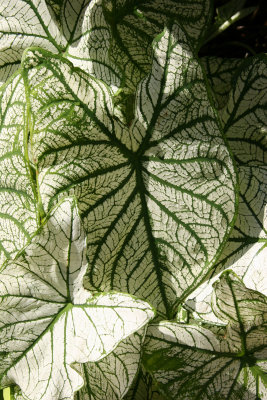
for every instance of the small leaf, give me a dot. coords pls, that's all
(48, 321)
(246, 251)
(243, 308)
(228, 14)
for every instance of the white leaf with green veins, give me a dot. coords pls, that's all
(157, 198)
(246, 249)
(48, 321)
(78, 31)
(220, 72)
(18, 217)
(244, 116)
(134, 24)
(111, 378)
(190, 362)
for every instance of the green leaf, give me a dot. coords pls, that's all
(49, 321)
(220, 72)
(78, 31)
(143, 388)
(18, 219)
(134, 24)
(56, 6)
(192, 362)
(157, 198)
(112, 377)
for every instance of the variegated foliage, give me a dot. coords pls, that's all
(190, 362)
(157, 198)
(18, 197)
(131, 190)
(48, 321)
(75, 29)
(82, 31)
(134, 24)
(245, 120)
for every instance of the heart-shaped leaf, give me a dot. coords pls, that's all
(190, 362)
(48, 321)
(157, 198)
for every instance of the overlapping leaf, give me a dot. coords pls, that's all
(18, 216)
(111, 378)
(143, 388)
(134, 24)
(245, 122)
(220, 72)
(245, 251)
(48, 321)
(190, 362)
(74, 28)
(244, 116)
(157, 199)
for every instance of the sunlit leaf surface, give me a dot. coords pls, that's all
(157, 198)
(48, 321)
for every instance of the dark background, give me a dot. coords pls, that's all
(244, 38)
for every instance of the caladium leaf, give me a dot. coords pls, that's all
(18, 216)
(158, 197)
(244, 116)
(77, 30)
(220, 72)
(89, 40)
(48, 321)
(111, 378)
(23, 24)
(190, 362)
(134, 24)
(246, 249)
